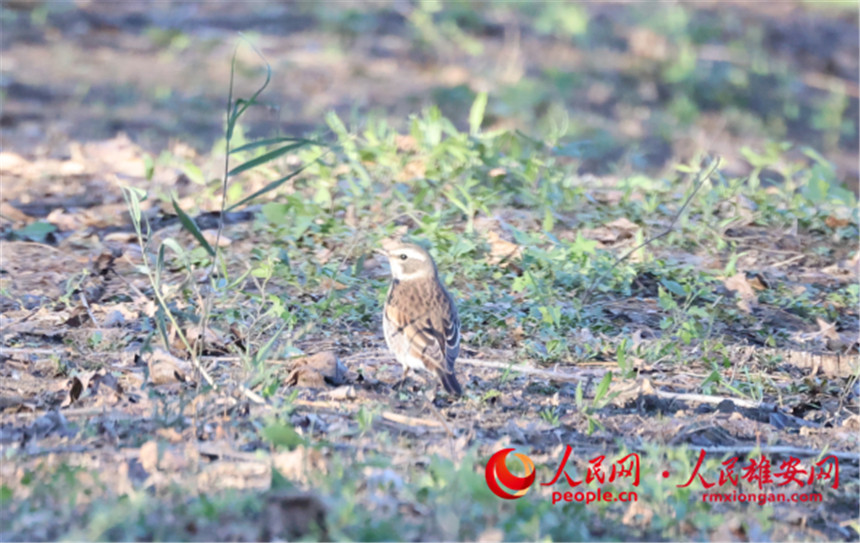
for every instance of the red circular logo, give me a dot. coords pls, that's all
(498, 475)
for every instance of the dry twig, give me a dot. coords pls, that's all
(520, 368)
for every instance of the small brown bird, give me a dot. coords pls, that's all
(420, 320)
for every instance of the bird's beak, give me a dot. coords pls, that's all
(382, 252)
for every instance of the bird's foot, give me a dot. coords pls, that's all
(398, 386)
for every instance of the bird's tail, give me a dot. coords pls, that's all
(449, 381)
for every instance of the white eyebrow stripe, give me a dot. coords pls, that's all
(412, 253)
(420, 274)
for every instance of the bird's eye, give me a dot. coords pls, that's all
(403, 257)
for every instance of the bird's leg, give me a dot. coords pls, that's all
(399, 384)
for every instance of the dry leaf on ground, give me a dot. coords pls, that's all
(747, 297)
(611, 232)
(211, 234)
(317, 371)
(164, 368)
(503, 250)
(295, 465)
(834, 340)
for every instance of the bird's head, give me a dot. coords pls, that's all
(408, 261)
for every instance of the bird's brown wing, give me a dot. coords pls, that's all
(410, 333)
(443, 324)
(423, 323)
(450, 326)
(448, 336)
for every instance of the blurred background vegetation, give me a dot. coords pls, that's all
(618, 88)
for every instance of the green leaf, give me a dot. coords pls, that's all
(6, 494)
(273, 141)
(301, 224)
(578, 395)
(273, 185)
(148, 167)
(582, 246)
(193, 173)
(674, 287)
(350, 149)
(189, 224)
(476, 113)
(713, 377)
(261, 354)
(281, 435)
(621, 354)
(603, 387)
(162, 325)
(666, 302)
(731, 265)
(133, 196)
(548, 220)
(279, 482)
(36, 231)
(276, 212)
(816, 190)
(816, 156)
(266, 157)
(159, 266)
(687, 168)
(238, 108)
(174, 246)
